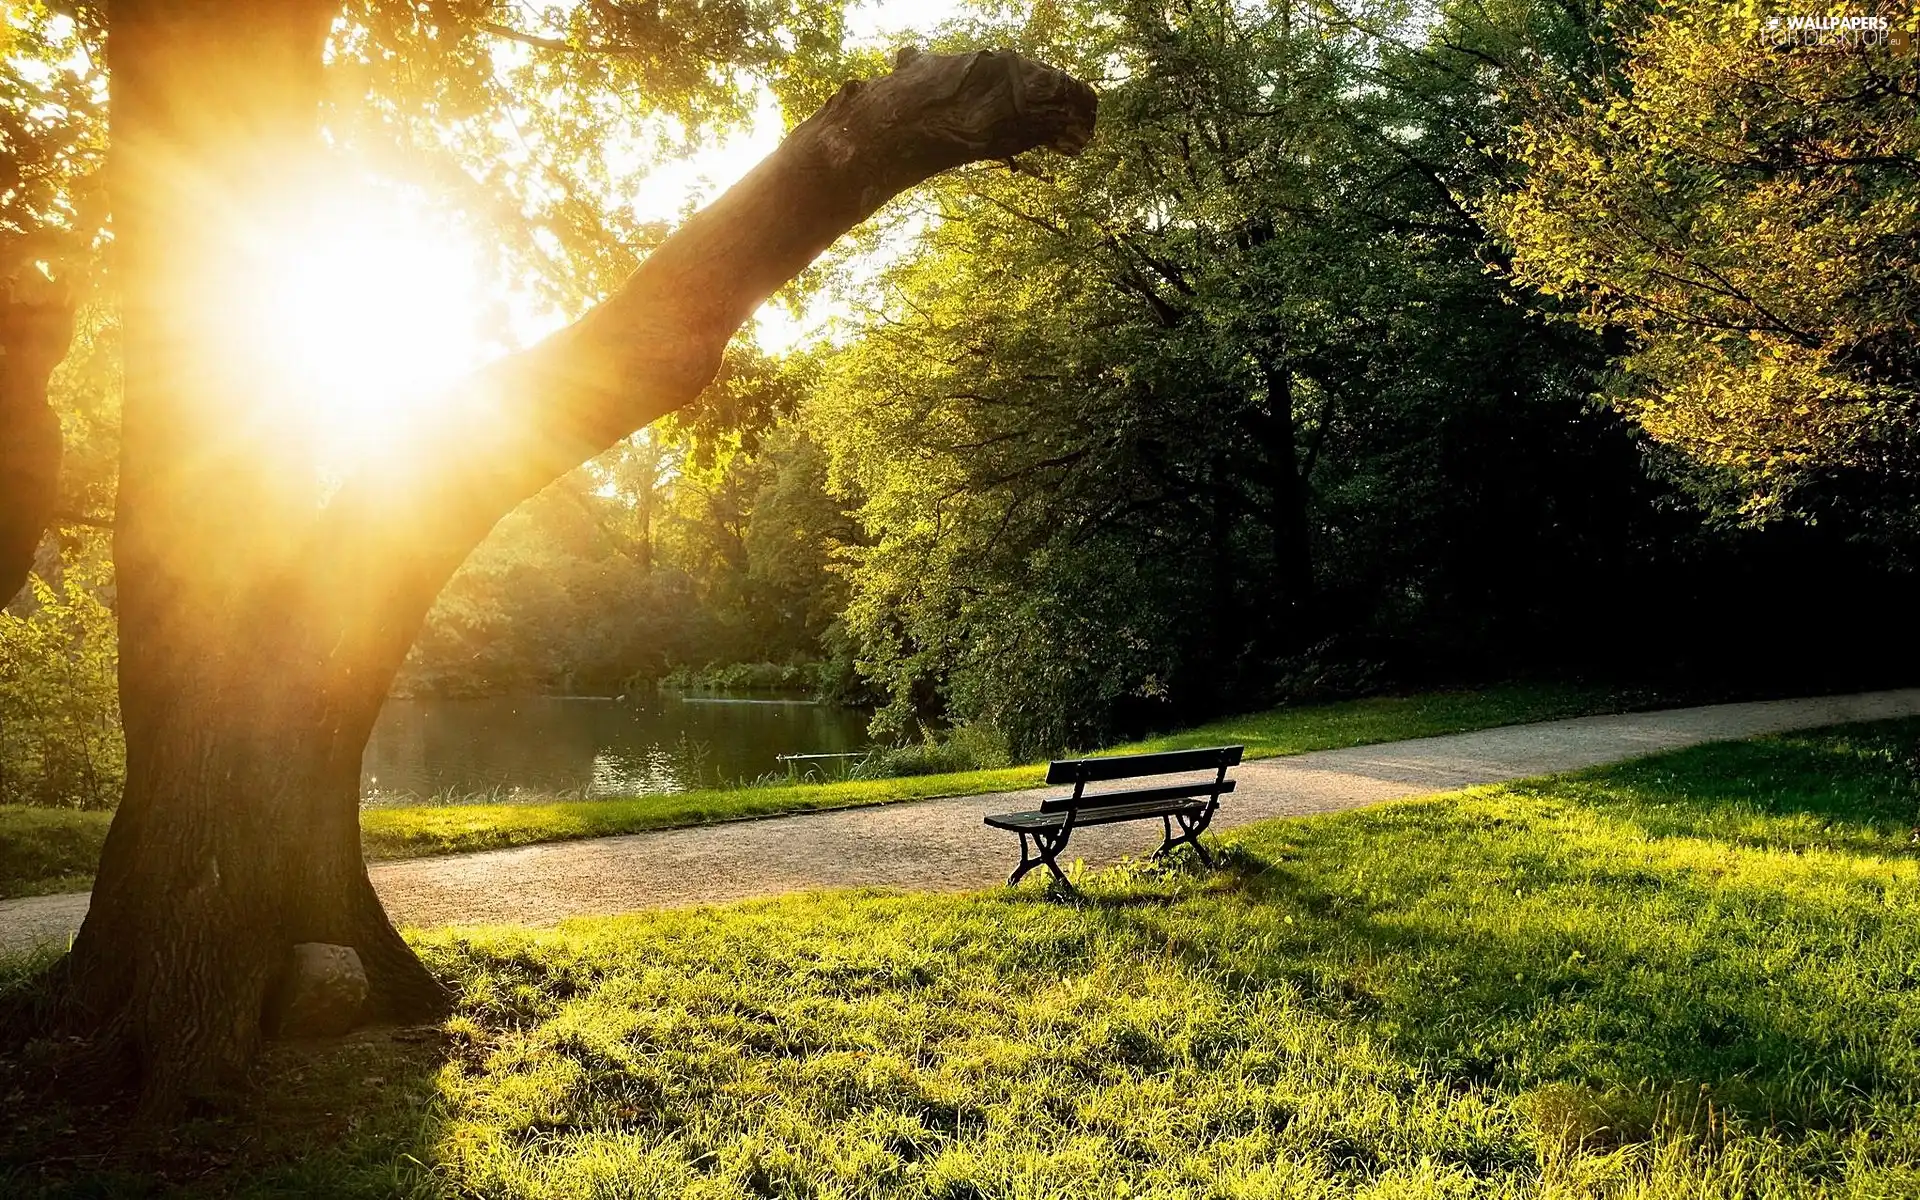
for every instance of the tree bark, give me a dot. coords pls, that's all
(1288, 523)
(36, 324)
(1225, 630)
(261, 630)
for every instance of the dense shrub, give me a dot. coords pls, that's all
(60, 739)
(976, 747)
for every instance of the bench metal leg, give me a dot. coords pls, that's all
(1046, 848)
(1192, 825)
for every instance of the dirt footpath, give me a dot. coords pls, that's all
(941, 844)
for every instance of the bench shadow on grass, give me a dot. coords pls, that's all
(1852, 789)
(1613, 1030)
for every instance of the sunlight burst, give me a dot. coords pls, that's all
(366, 309)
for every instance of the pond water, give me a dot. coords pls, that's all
(535, 746)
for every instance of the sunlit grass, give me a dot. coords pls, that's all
(56, 849)
(1694, 975)
(1690, 976)
(1298, 729)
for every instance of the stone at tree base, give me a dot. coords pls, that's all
(323, 994)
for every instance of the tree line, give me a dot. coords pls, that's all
(1357, 352)
(1360, 351)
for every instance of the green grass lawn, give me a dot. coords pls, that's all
(52, 850)
(1696, 975)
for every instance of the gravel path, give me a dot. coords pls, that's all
(940, 844)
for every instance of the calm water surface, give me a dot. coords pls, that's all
(458, 749)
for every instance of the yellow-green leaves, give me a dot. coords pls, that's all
(1751, 217)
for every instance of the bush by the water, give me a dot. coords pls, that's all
(797, 676)
(60, 738)
(975, 747)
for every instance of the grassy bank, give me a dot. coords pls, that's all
(1689, 976)
(45, 850)
(415, 832)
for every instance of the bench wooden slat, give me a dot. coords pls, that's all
(1133, 766)
(1037, 819)
(1099, 800)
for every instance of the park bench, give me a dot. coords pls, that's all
(1189, 804)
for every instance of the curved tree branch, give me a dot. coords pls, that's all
(392, 537)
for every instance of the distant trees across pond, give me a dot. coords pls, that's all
(674, 554)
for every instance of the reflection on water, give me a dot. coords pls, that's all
(548, 745)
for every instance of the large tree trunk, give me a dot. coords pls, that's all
(261, 630)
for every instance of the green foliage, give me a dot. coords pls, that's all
(559, 598)
(734, 678)
(53, 131)
(53, 210)
(749, 517)
(685, 556)
(1157, 432)
(1686, 976)
(60, 738)
(539, 124)
(1748, 216)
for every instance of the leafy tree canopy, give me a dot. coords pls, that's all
(1748, 216)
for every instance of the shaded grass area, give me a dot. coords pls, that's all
(45, 850)
(53, 850)
(1694, 975)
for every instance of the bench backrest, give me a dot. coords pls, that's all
(1082, 771)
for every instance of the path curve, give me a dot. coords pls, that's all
(940, 844)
